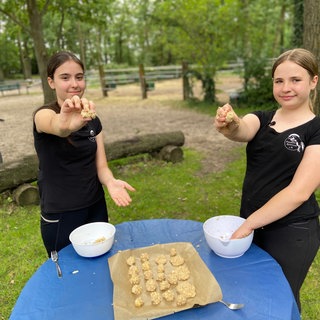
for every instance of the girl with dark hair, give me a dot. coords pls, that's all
(72, 161)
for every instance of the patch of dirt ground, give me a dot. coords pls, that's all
(124, 114)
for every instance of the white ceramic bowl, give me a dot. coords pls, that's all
(93, 239)
(218, 230)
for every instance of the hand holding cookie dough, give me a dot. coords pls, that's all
(75, 113)
(226, 119)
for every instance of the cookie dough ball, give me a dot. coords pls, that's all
(147, 274)
(161, 259)
(173, 252)
(151, 285)
(139, 302)
(144, 257)
(181, 300)
(164, 285)
(172, 278)
(177, 260)
(187, 289)
(183, 273)
(131, 261)
(155, 298)
(86, 112)
(161, 276)
(145, 266)
(133, 270)
(230, 116)
(169, 295)
(135, 279)
(136, 289)
(160, 268)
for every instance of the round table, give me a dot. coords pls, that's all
(85, 291)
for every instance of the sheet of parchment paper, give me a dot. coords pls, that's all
(206, 286)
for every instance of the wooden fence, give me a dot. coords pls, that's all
(147, 76)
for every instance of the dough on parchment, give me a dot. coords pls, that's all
(155, 297)
(151, 285)
(187, 289)
(139, 302)
(168, 295)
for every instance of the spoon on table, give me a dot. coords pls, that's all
(232, 306)
(55, 258)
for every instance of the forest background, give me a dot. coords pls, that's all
(116, 33)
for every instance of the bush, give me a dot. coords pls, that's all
(257, 89)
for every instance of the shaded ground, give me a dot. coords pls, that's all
(124, 115)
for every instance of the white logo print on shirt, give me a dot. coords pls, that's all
(93, 136)
(294, 143)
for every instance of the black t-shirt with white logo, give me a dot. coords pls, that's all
(272, 160)
(67, 169)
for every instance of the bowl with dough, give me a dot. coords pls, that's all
(218, 231)
(93, 239)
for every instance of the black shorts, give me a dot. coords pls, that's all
(56, 227)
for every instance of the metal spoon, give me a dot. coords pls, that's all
(54, 258)
(232, 306)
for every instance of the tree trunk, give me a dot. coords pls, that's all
(36, 28)
(311, 33)
(185, 81)
(25, 170)
(143, 83)
(102, 77)
(298, 24)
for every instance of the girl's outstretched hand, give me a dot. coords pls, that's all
(76, 112)
(118, 192)
(226, 119)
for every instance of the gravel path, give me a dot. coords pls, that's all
(124, 115)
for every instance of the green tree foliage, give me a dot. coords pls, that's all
(258, 41)
(9, 63)
(205, 33)
(198, 31)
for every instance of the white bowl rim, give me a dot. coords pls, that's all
(223, 216)
(88, 224)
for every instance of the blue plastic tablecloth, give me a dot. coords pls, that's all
(85, 292)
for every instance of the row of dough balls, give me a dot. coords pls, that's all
(177, 277)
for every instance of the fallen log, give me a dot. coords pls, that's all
(148, 143)
(15, 173)
(26, 194)
(170, 153)
(25, 170)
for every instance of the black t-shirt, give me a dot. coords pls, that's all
(272, 160)
(67, 169)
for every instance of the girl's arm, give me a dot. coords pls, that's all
(116, 188)
(67, 121)
(305, 181)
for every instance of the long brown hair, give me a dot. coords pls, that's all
(304, 59)
(57, 59)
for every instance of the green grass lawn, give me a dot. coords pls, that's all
(164, 190)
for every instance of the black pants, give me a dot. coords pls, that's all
(294, 247)
(56, 227)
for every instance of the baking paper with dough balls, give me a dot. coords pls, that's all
(129, 306)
